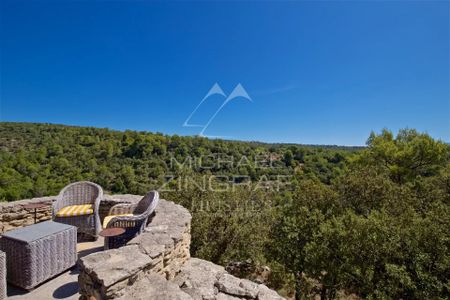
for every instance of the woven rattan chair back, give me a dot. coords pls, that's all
(147, 204)
(78, 193)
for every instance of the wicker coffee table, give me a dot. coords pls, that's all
(38, 252)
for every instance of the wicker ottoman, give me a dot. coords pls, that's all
(2, 275)
(38, 252)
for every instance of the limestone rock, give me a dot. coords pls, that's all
(234, 286)
(115, 265)
(154, 287)
(222, 296)
(264, 293)
(203, 280)
(197, 278)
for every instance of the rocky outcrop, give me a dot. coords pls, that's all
(198, 278)
(203, 280)
(154, 287)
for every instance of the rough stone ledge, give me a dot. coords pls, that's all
(112, 266)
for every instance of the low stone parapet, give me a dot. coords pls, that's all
(161, 249)
(14, 214)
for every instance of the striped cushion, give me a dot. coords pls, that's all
(75, 210)
(109, 218)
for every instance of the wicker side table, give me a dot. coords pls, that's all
(2, 275)
(39, 252)
(107, 233)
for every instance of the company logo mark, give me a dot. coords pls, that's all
(238, 92)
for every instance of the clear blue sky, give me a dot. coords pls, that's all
(317, 72)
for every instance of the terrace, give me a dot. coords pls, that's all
(154, 265)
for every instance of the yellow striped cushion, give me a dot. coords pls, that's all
(75, 210)
(109, 218)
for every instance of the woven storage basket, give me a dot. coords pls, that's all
(38, 252)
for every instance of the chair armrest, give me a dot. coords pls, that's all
(122, 208)
(58, 204)
(126, 221)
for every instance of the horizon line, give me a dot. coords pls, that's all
(185, 135)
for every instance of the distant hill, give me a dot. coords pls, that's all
(11, 125)
(37, 159)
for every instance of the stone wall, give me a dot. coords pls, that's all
(13, 214)
(162, 249)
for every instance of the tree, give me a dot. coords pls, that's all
(365, 189)
(381, 256)
(288, 158)
(296, 223)
(409, 155)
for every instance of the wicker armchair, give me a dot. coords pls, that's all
(77, 194)
(132, 217)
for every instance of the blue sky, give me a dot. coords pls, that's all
(317, 72)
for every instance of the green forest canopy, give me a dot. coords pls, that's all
(39, 159)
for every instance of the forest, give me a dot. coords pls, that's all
(329, 221)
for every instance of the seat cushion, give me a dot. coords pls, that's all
(109, 218)
(75, 210)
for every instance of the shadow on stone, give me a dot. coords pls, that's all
(85, 252)
(66, 290)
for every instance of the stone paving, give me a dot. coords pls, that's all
(64, 286)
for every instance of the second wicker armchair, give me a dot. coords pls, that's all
(132, 217)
